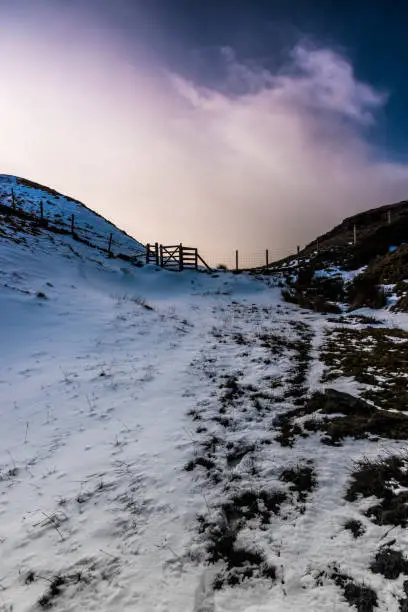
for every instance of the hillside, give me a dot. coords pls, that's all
(376, 230)
(335, 271)
(26, 198)
(190, 441)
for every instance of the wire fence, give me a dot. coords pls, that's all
(241, 259)
(113, 242)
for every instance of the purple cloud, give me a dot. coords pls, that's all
(267, 160)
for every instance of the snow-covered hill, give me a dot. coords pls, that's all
(58, 210)
(162, 450)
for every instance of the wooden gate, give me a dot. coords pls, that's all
(176, 257)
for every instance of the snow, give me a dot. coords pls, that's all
(96, 382)
(86, 417)
(58, 210)
(336, 271)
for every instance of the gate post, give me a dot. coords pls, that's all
(181, 263)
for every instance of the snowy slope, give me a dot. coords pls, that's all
(114, 381)
(58, 210)
(91, 459)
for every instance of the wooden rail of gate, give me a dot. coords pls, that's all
(176, 257)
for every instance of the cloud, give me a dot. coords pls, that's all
(263, 160)
(288, 154)
(314, 79)
(327, 82)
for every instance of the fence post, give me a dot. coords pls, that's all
(161, 256)
(13, 200)
(41, 210)
(389, 217)
(181, 263)
(156, 252)
(72, 224)
(236, 260)
(354, 234)
(267, 257)
(298, 251)
(110, 245)
(147, 252)
(317, 244)
(196, 259)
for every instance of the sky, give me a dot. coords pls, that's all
(224, 125)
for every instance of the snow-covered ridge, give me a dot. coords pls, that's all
(58, 210)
